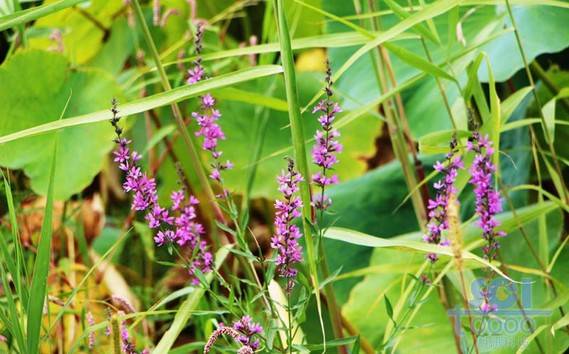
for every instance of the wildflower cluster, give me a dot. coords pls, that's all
(126, 345)
(243, 331)
(174, 225)
(248, 330)
(326, 147)
(91, 322)
(438, 207)
(208, 115)
(285, 239)
(488, 204)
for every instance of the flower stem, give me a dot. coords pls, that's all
(301, 161)
(196, 162)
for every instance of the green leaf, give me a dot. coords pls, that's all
(36, 85)
(534, 24)
(116, 50)
(361, 239)
(548, 110)
(389, 309)
(34, 13)
(150, 102)
(416, 61)
(512, 102)
(41, 266)
(420, 28)
(81, 39)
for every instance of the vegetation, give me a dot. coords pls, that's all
(284, 176)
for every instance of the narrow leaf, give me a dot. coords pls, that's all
(41, 268)
(150, 102)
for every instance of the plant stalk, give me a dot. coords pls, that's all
(399, 132)
(302, 166)
(196, 162)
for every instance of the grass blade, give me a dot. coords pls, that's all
(361, 239)
(22, 273)
(13, 317)
(21, 17)
(41, 268)
(151, 102)
(417, 62)
(297, 133)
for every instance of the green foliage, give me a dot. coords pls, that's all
(36, 87)
(409, 75)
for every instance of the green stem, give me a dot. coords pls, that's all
(301, 159)
(188, 139)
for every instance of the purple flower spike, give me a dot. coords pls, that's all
(247, 330)
(326, 147)
(208, 115)
(176, 225)
(488, 201)
(488, 204)
(285, 239)
(91, 323)
(438, 207)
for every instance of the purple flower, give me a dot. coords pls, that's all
(208, 115)
(285, 239)
(208, 101)
(488, 201)
(91, 323)
(195, 74)
(326, 146)
(243, 331)
(488, 204)
(437, 208)
(247, 330)
(176, 225)
(127, 346)
(177, 198)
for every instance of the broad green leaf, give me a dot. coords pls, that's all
(534, 24)
(82, 38)
(431, 329)
(35, 88)
(366, 204)
(116, 49)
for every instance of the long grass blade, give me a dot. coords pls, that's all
(34, 13)
(151, 102)
(297, 133)
(41, 268)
